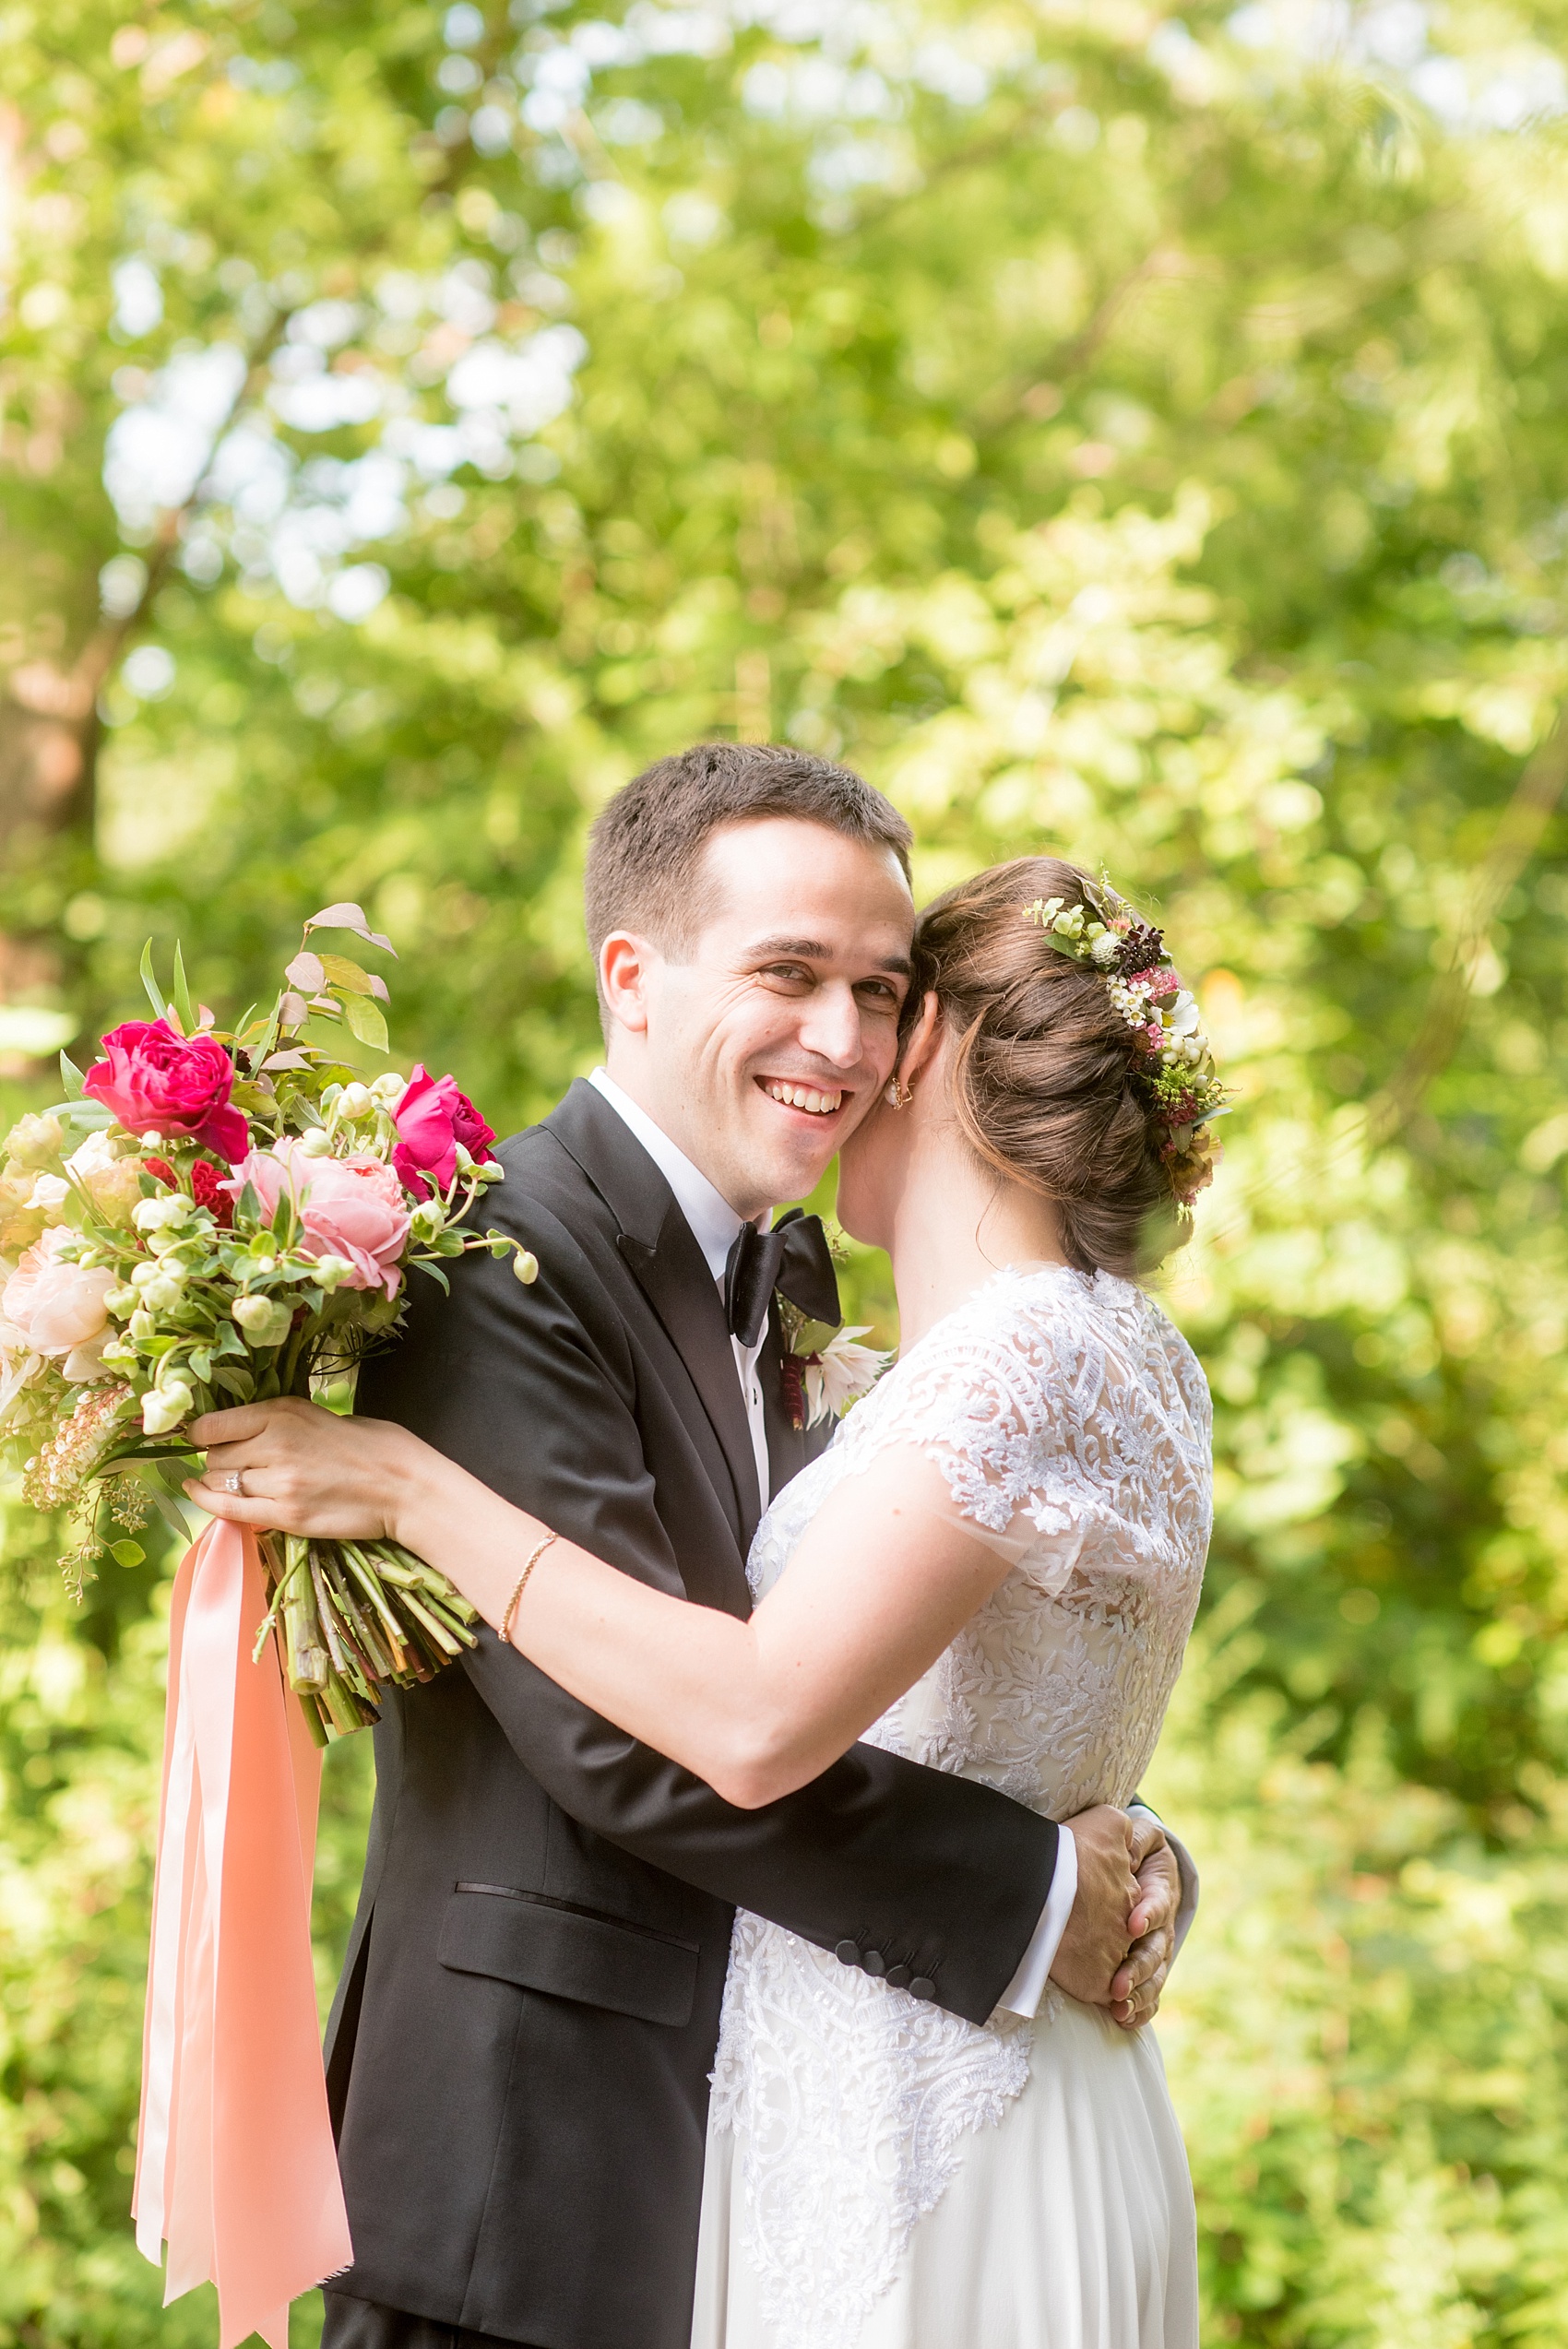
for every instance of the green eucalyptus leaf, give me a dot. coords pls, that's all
(367, 1021)
(154, 994)
(181, 996)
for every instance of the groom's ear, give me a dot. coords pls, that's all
(626, 965)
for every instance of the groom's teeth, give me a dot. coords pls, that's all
(803, 1097)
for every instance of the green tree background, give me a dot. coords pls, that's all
(1133, 434)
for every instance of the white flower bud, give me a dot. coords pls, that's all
(332, 1271)
(33, 1141)
(163, 1410)
(354, 1100)
(142, 1324)
(525, 1266)
(265, 1320)
(121, 1300)
(161, 1215)
(427, 1219)
(388, 1089)
(162, 1294)
(315, 1143)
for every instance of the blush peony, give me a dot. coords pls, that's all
(157, 1081)
(56, 1307)
(431, 1117)
(349, 1207)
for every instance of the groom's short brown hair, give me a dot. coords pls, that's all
(645, 847)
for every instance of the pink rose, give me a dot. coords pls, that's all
(431, 1117)
(56, 1307)
(349, 1207)
(157, 1081)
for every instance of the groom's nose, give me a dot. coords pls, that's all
(830, 1026)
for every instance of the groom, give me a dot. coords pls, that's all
(519, 2049)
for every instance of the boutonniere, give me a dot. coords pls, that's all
(825, 1371)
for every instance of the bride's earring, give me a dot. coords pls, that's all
(898, 1096)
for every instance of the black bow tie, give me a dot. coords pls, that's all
(794, 1257)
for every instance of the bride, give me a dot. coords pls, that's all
(993, 1569)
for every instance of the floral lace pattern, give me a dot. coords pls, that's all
(1072, 1423)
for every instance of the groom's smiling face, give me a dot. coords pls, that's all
(761, 1043)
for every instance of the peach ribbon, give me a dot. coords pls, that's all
(235, 2164)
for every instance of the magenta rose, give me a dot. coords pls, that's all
(157, 1081)
(349, 1207)
(431, 1118)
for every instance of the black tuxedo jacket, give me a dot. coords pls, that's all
(519, 2049)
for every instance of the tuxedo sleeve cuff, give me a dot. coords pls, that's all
(1027, 1989)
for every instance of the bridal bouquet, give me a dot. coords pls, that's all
(215, 1217)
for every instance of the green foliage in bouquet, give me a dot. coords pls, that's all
(219, 1217)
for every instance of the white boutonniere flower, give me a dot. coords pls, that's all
(821, 1380)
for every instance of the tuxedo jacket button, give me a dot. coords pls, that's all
(920, 1989)
(874, 1962)
(848, 1953)
(897, 1977)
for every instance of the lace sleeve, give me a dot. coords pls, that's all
(1063, 1412)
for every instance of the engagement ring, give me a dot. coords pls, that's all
(234, 1482)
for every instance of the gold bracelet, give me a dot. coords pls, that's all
(534, 1557)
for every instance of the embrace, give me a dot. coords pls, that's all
(759, 1926)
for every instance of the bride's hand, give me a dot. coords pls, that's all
(1136, 1986)
(293, 1465)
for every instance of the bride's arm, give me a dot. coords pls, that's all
(882, 1579)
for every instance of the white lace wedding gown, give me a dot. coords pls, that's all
(881, 2175)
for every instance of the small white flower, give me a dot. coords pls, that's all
(84, 1365)
(162, 1294)
(525, 1265)
(331, 1270)
(164, 1407)
(354, 1100)
(842, 1373)
(96, 1155)
(265, 1320)
(1105, 947)
(390, 1089)
(50, 1193)
(161, 1215)
(315, 1143)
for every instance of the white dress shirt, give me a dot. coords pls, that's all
(714, 1224)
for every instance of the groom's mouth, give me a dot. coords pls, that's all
(809, 1098)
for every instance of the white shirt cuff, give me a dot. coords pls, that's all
(1027, 1989)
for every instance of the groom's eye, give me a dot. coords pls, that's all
(880, 995)
(794, 976)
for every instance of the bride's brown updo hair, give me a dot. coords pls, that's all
(1044, 1082)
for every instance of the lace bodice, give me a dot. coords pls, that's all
(1072, 1423)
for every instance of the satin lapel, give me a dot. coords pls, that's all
(674, 1277)
(656, 1242)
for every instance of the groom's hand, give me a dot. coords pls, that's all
(1097, 1934)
